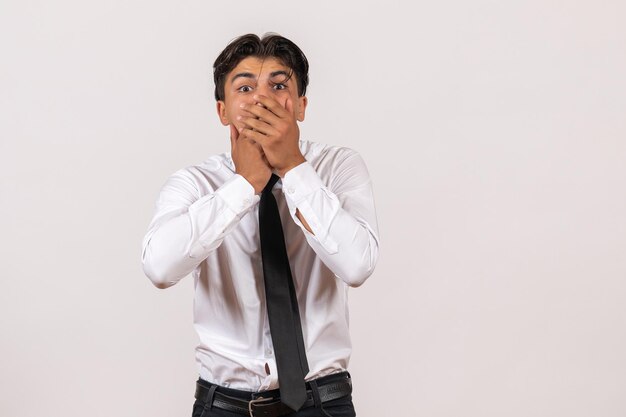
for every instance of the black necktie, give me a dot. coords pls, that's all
(282, 304)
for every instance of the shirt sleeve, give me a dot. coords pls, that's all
(341, 215)
(186, 226)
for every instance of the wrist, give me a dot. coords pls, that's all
(292, 164)
(257, 182)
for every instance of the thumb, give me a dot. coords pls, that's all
(234, 135)
(289, 105)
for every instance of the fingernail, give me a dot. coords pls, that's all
(242, 105)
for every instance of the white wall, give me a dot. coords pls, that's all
(495, 137)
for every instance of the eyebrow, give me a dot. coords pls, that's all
(243, 75)
(253, 76)
(280, 72)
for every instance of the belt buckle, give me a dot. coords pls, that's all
(255, 401)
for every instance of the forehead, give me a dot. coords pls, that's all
(259, 67)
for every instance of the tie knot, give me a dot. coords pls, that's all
(271, 183)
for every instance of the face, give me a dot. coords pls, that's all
(266, 77)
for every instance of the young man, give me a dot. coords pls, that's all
(266, 327)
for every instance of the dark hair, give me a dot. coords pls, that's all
(271, 45)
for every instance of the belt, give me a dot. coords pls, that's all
(267, 403)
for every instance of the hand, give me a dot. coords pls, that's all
(250, 162)
(275, 128)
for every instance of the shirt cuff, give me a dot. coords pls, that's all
(299, 182)
(238, 194)
(303, 189)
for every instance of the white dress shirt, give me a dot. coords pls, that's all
(206, 223)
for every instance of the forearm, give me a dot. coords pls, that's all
(341, 229)
(165, 257)
(182, 235)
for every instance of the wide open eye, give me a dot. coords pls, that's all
(244, 89)
(279, 86)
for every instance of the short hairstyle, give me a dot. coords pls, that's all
(271, 45)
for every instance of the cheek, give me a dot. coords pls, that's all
(282, 95)
(233, 110)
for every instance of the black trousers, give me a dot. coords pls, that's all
(341, 407)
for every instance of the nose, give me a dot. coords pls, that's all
(265, 89)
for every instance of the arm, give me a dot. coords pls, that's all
(339, 221)
(341, 218)
(186, 227)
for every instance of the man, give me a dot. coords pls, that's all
(214, 220)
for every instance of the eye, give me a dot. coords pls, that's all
(244, 89)
(279, 86)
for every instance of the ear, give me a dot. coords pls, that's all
(221, 113)
(302, 102)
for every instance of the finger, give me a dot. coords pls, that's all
(271, 104)
(245, 110)
(266, 161)
(258, 137)
(259, 111)
(257, 124)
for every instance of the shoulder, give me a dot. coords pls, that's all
(207, 175)
(339, 167)
(211, 165)
(324, 154)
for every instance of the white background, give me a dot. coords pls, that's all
(495, 136)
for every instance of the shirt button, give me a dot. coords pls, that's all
(268, 352)
(290, 190)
